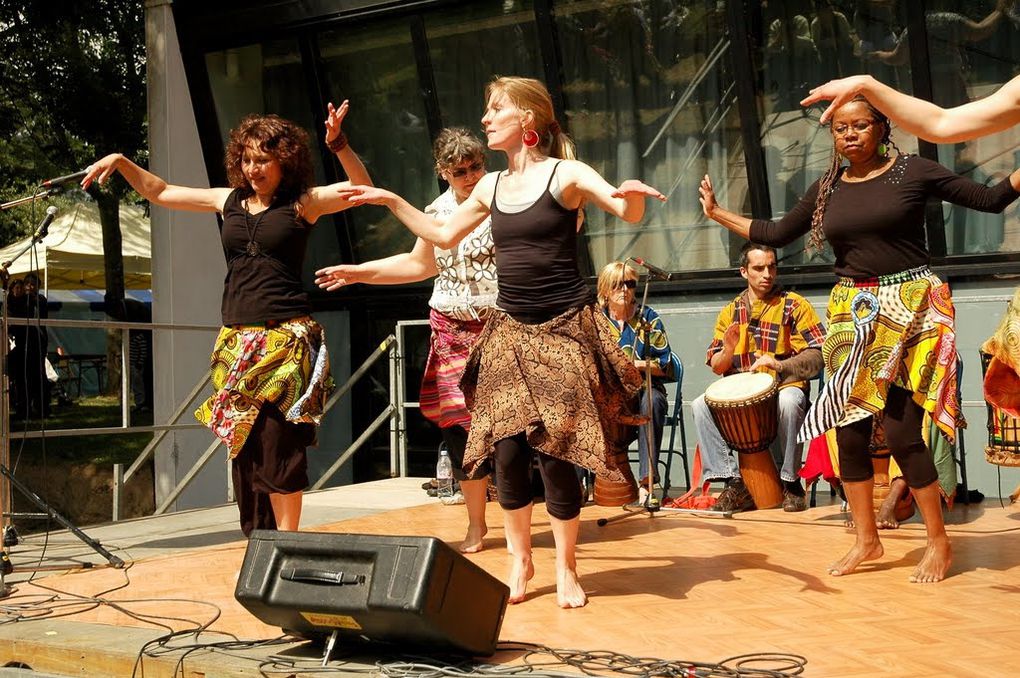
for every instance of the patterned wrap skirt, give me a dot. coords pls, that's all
(441, 399)
(892, 330)
(285, 365)
(565, 383)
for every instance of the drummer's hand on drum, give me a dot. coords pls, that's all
(765, 361)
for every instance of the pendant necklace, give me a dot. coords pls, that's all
(253, 248)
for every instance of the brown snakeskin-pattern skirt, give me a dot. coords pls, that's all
(565, 383)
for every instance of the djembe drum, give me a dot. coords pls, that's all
(1003, 447)
(744, 407)
(617, 493)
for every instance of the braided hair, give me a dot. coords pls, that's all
(816, 239)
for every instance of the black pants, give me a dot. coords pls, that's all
(903, 419)
(513, 479)
(272, 461)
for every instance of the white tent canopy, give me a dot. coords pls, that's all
(70, 257)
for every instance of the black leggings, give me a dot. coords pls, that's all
(513, 479)
(902, 421)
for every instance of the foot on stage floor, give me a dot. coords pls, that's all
(474, 540)
(568, 589)
(521, 572)
(861, 552)
(934, 563)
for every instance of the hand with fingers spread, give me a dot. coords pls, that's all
(100, 170)
(837, 92)
(334, 120)
(333, 278)
(634, 187)
(365, 195)
(706, 196)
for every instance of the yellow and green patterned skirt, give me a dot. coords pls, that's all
(892, 330)
(285, 364)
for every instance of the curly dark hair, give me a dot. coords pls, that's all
(280, 138)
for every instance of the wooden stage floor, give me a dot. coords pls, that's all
(675, 587)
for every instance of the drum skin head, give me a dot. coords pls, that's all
(741, 387)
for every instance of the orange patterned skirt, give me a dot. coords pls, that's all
(565, 383)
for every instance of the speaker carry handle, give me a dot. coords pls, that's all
(313, 576)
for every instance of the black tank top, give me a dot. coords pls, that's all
(266, 286)
(536, 258)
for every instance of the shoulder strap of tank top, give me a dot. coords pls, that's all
(551, 175)
(495, 190)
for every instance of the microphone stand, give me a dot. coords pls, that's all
(651, 505)
(10, 536)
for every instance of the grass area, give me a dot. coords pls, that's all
(87, 412)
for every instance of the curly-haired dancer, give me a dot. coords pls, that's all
(270, 367)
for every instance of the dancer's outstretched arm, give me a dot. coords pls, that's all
(996, 112)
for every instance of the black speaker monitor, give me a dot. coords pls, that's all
(411, 591)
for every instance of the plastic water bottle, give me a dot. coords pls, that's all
(444, 476)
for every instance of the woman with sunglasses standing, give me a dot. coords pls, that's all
(463, 295)
(546, 375)
(643, 339)
(890, 348)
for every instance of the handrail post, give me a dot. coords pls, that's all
(125, 378)
(394, 356)
(118, 485)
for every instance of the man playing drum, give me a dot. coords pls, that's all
(765, 328)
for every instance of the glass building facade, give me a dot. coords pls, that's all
(662, 90)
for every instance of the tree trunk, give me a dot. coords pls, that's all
(113, 257)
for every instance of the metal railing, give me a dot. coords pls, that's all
(392, 413)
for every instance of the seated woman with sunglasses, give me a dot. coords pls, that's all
(643, 339)
(462, 297)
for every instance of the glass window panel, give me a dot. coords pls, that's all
(374, 67)
(973, 50)
(649, 96)
(469, 46)
(270, 78)
(797, 149)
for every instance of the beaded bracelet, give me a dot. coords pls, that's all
(338, 144)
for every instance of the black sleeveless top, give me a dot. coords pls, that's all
(263, 282)
(536, 257)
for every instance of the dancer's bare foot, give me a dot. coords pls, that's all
(521, 572)
(568, 589)
(896, 507)
(860, 552)
(934, 563)
(473, 541)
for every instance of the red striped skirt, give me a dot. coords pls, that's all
(441, 399)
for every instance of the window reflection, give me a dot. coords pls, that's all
(648, 89)
(374, 68)
(843, 38)
(469, 46)
(973, 51)
(269, 78)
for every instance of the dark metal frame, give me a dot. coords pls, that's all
(204, 26)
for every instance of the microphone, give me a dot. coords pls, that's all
(44, 225)
(653, 271)
(66, 179)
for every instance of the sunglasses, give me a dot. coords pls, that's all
(462, 172)
(629, 284)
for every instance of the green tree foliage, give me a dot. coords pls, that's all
(72, 88)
